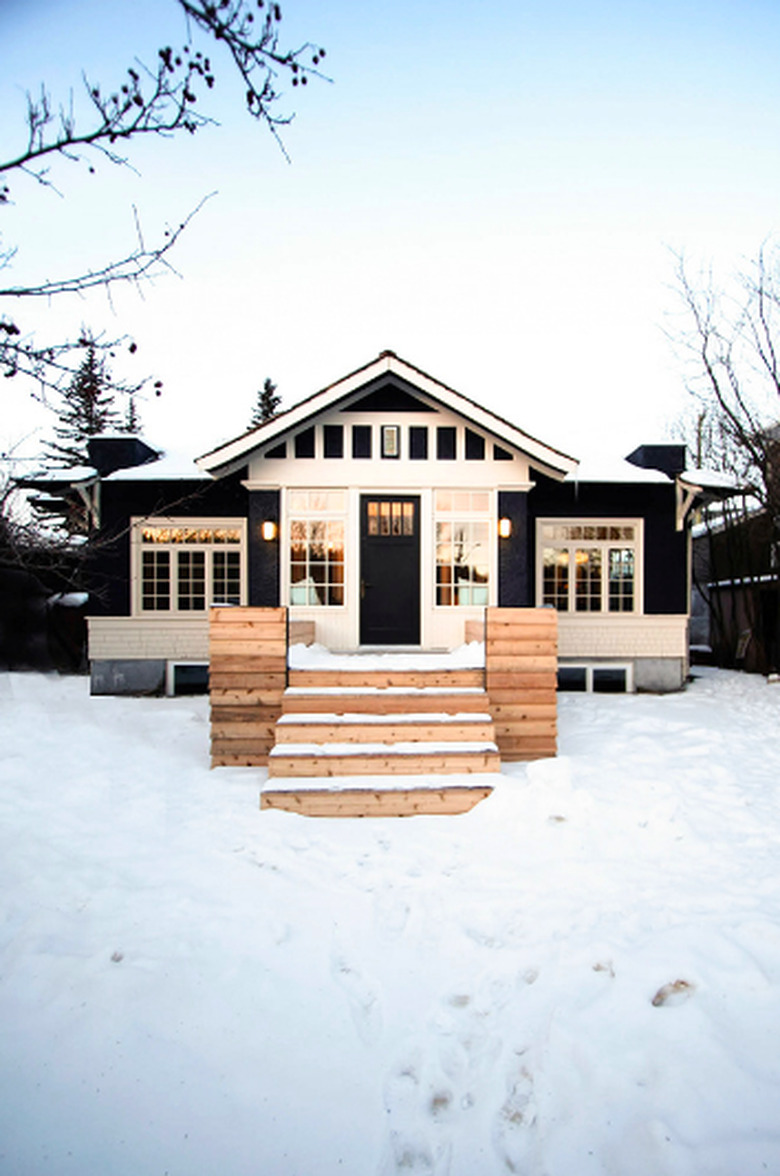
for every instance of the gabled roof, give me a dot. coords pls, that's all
(220, 460)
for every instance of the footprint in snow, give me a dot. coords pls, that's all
(674, 993)
(414, 1155)
(363, 998)
(513, 1134)
(417, 1111)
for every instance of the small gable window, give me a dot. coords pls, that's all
(500, 454)
(445, 443)
(418, 443)
(304, 443)
(333, 440)
(361, 441)
(278, 450)
(475, 446)
(391, 441)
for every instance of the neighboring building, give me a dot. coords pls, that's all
(389, 510)
(736, 567)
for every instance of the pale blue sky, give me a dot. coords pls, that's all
(491, 191)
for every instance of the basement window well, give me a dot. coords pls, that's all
(596, 679)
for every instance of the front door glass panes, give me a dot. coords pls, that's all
(390, 518)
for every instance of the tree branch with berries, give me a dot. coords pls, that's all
(163, 99)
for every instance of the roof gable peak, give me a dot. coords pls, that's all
(220, 460)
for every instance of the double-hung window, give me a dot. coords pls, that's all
(317, 528)
(183, 566)
(463, 528)
(589, 566)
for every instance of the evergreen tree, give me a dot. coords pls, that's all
(87, 409)
(267, 404)
(132, 421)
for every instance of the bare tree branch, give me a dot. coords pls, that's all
(162, 100)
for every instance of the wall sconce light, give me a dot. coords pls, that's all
(268, 530)
(505, 528)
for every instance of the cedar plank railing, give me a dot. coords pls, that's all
(247, 678)
(521, 661)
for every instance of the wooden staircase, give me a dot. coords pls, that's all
(416, 727)
(384, 742)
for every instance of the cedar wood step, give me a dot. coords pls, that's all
(387, 761)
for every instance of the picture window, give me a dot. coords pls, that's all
(187, 565)
(589, 567)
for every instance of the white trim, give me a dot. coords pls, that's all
(170, 672)
(137, 547)
(490, 516)
(551, 461)
(589, 667)
(574, 520)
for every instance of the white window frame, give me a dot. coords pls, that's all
(137, 548)
(294, 513)
(603, 544)
(487, 516)
(593, 667)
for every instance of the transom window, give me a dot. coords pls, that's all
(589, 567)
(184, 566)
(464, 520)
(317, 526)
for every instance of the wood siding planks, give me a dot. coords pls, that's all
(247, 678)
(521, 658)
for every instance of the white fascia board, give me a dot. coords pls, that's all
(548, 460)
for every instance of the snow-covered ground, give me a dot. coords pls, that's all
(579, 977)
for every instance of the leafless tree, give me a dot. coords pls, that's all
(162, 100)
(730, 344)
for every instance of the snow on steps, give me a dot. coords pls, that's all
(355, 717)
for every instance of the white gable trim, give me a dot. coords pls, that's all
(233, 453)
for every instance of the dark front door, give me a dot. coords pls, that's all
(389, 570)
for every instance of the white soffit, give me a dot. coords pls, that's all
(233, 453)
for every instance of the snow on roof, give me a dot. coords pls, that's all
(67, 475)
(598, 468)
(171, 466)
(710, 479)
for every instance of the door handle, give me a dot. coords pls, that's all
(363, 586)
